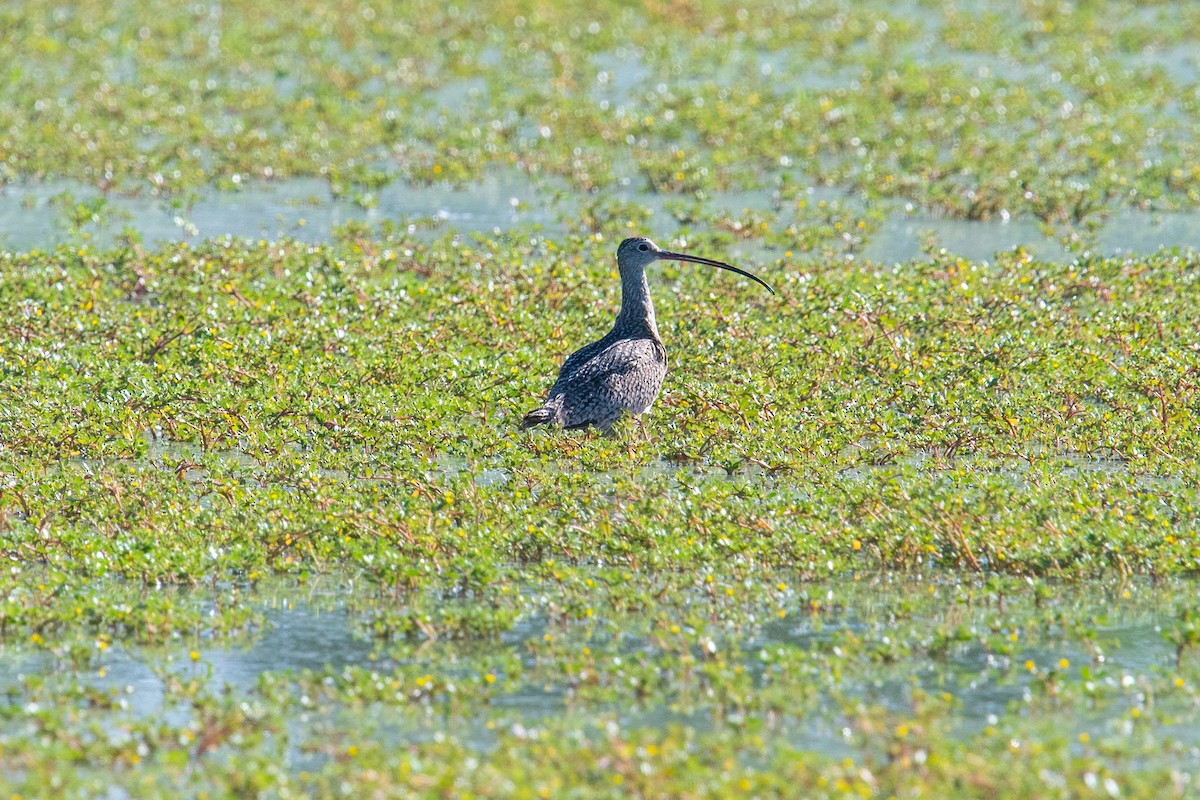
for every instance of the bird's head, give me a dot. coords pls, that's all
(638, 252)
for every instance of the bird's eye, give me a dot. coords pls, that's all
(643, 247)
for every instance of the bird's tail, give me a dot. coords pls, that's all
(539, 416)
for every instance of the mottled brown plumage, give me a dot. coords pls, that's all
(624, 371)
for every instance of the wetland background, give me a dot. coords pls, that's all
(279, 282)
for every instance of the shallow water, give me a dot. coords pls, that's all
(306, 638)
(304, 209)
(298, 208)
(1127, 232)
(900, 237)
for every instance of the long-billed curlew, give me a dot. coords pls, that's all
(624, 370)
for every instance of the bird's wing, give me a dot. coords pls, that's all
(619, 358)
(574, 361)
(602, 386)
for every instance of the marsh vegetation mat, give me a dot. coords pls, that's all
(280, 286)
(268, 517)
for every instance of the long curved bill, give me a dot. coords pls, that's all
(665, 254)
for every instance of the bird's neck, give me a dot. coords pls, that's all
(637, 309)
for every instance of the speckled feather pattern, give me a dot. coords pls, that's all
(616, 375)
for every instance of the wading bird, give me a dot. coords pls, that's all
(624, 370)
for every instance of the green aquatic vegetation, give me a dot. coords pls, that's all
(1060, 114)
(268, 525)
(896, 515)
(942, 410)
(855, 659)
(608, 214)
(82, 213)
(1184, 635)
